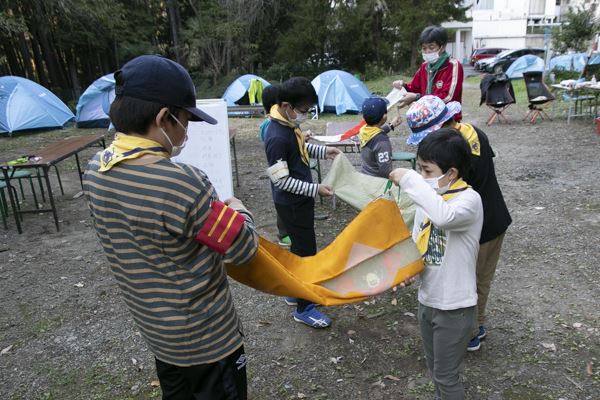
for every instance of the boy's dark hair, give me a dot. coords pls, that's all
(446, 148)
(434, 34)
(297, 91)
(270, 95)
(131, 115)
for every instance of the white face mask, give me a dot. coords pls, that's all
(435, 184)
(176, 150)
(431, 58)
(300, 117)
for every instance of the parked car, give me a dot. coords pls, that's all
(484, 52)
(503, 60)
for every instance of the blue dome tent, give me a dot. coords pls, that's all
(568, 62)
(26, 105)
(340, 92)
(94, 104)
(237, 92)
(525, 63)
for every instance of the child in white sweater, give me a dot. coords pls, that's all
(447, 228)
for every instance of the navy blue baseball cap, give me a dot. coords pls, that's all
(160, 80)
(373, 109)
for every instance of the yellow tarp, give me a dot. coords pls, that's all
(372, 254)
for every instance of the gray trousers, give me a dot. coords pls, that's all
(445, 337)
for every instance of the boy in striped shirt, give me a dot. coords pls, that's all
(167, 236)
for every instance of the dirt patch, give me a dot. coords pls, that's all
(66, 334)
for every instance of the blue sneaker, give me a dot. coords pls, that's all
(482, 332)
(291, 301)
(312, 317)
(474, 344)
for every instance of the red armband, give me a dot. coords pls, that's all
(221, 227)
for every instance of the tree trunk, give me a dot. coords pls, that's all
(26, 57)
(175, 25)
(39, 63)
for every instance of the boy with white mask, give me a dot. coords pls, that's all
(291, 178)
(152, 216)
(447, 229)
(439, 75)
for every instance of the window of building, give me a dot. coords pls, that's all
(485, 4)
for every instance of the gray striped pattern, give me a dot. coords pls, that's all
(146, 217)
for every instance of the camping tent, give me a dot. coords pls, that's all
(525, 63)
(237, 92)
(94, 104)
(340, 92)
(26, 105)
(568, 62)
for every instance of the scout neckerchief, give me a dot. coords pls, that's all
(275, 115)
(128, 147)
(423, 237)
(470, 134)
(432, 69)
(367, 133)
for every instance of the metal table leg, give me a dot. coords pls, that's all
(51, 197)
(12, 199)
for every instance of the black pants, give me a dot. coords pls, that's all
(299, 221)
(222, 380)
(281, 231)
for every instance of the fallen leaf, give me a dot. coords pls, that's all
(301, 396)
(262, 322)
(589, 369)
(394, 301)
(335, 360)
(155, 383)
(378, 383)
(391, 378)
(549, 346)
(5, 350)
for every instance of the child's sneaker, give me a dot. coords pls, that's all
(291, 301)
(285, 241)
(482, 332)
(312, 317)
(474, 344)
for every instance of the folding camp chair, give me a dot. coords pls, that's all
(497, 93)
(537, 94)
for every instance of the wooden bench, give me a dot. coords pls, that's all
(44, 159)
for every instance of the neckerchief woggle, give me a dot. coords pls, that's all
(275, 115)
(128, 147)
(423, 236)
(367, 133)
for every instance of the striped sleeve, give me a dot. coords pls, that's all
(316, 151)
(297, 186)
(245, 245)
(244, 248)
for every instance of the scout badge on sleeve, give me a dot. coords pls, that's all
(221, 227)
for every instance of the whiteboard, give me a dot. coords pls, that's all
(207, 147)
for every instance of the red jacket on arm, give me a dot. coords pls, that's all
(447, 83)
